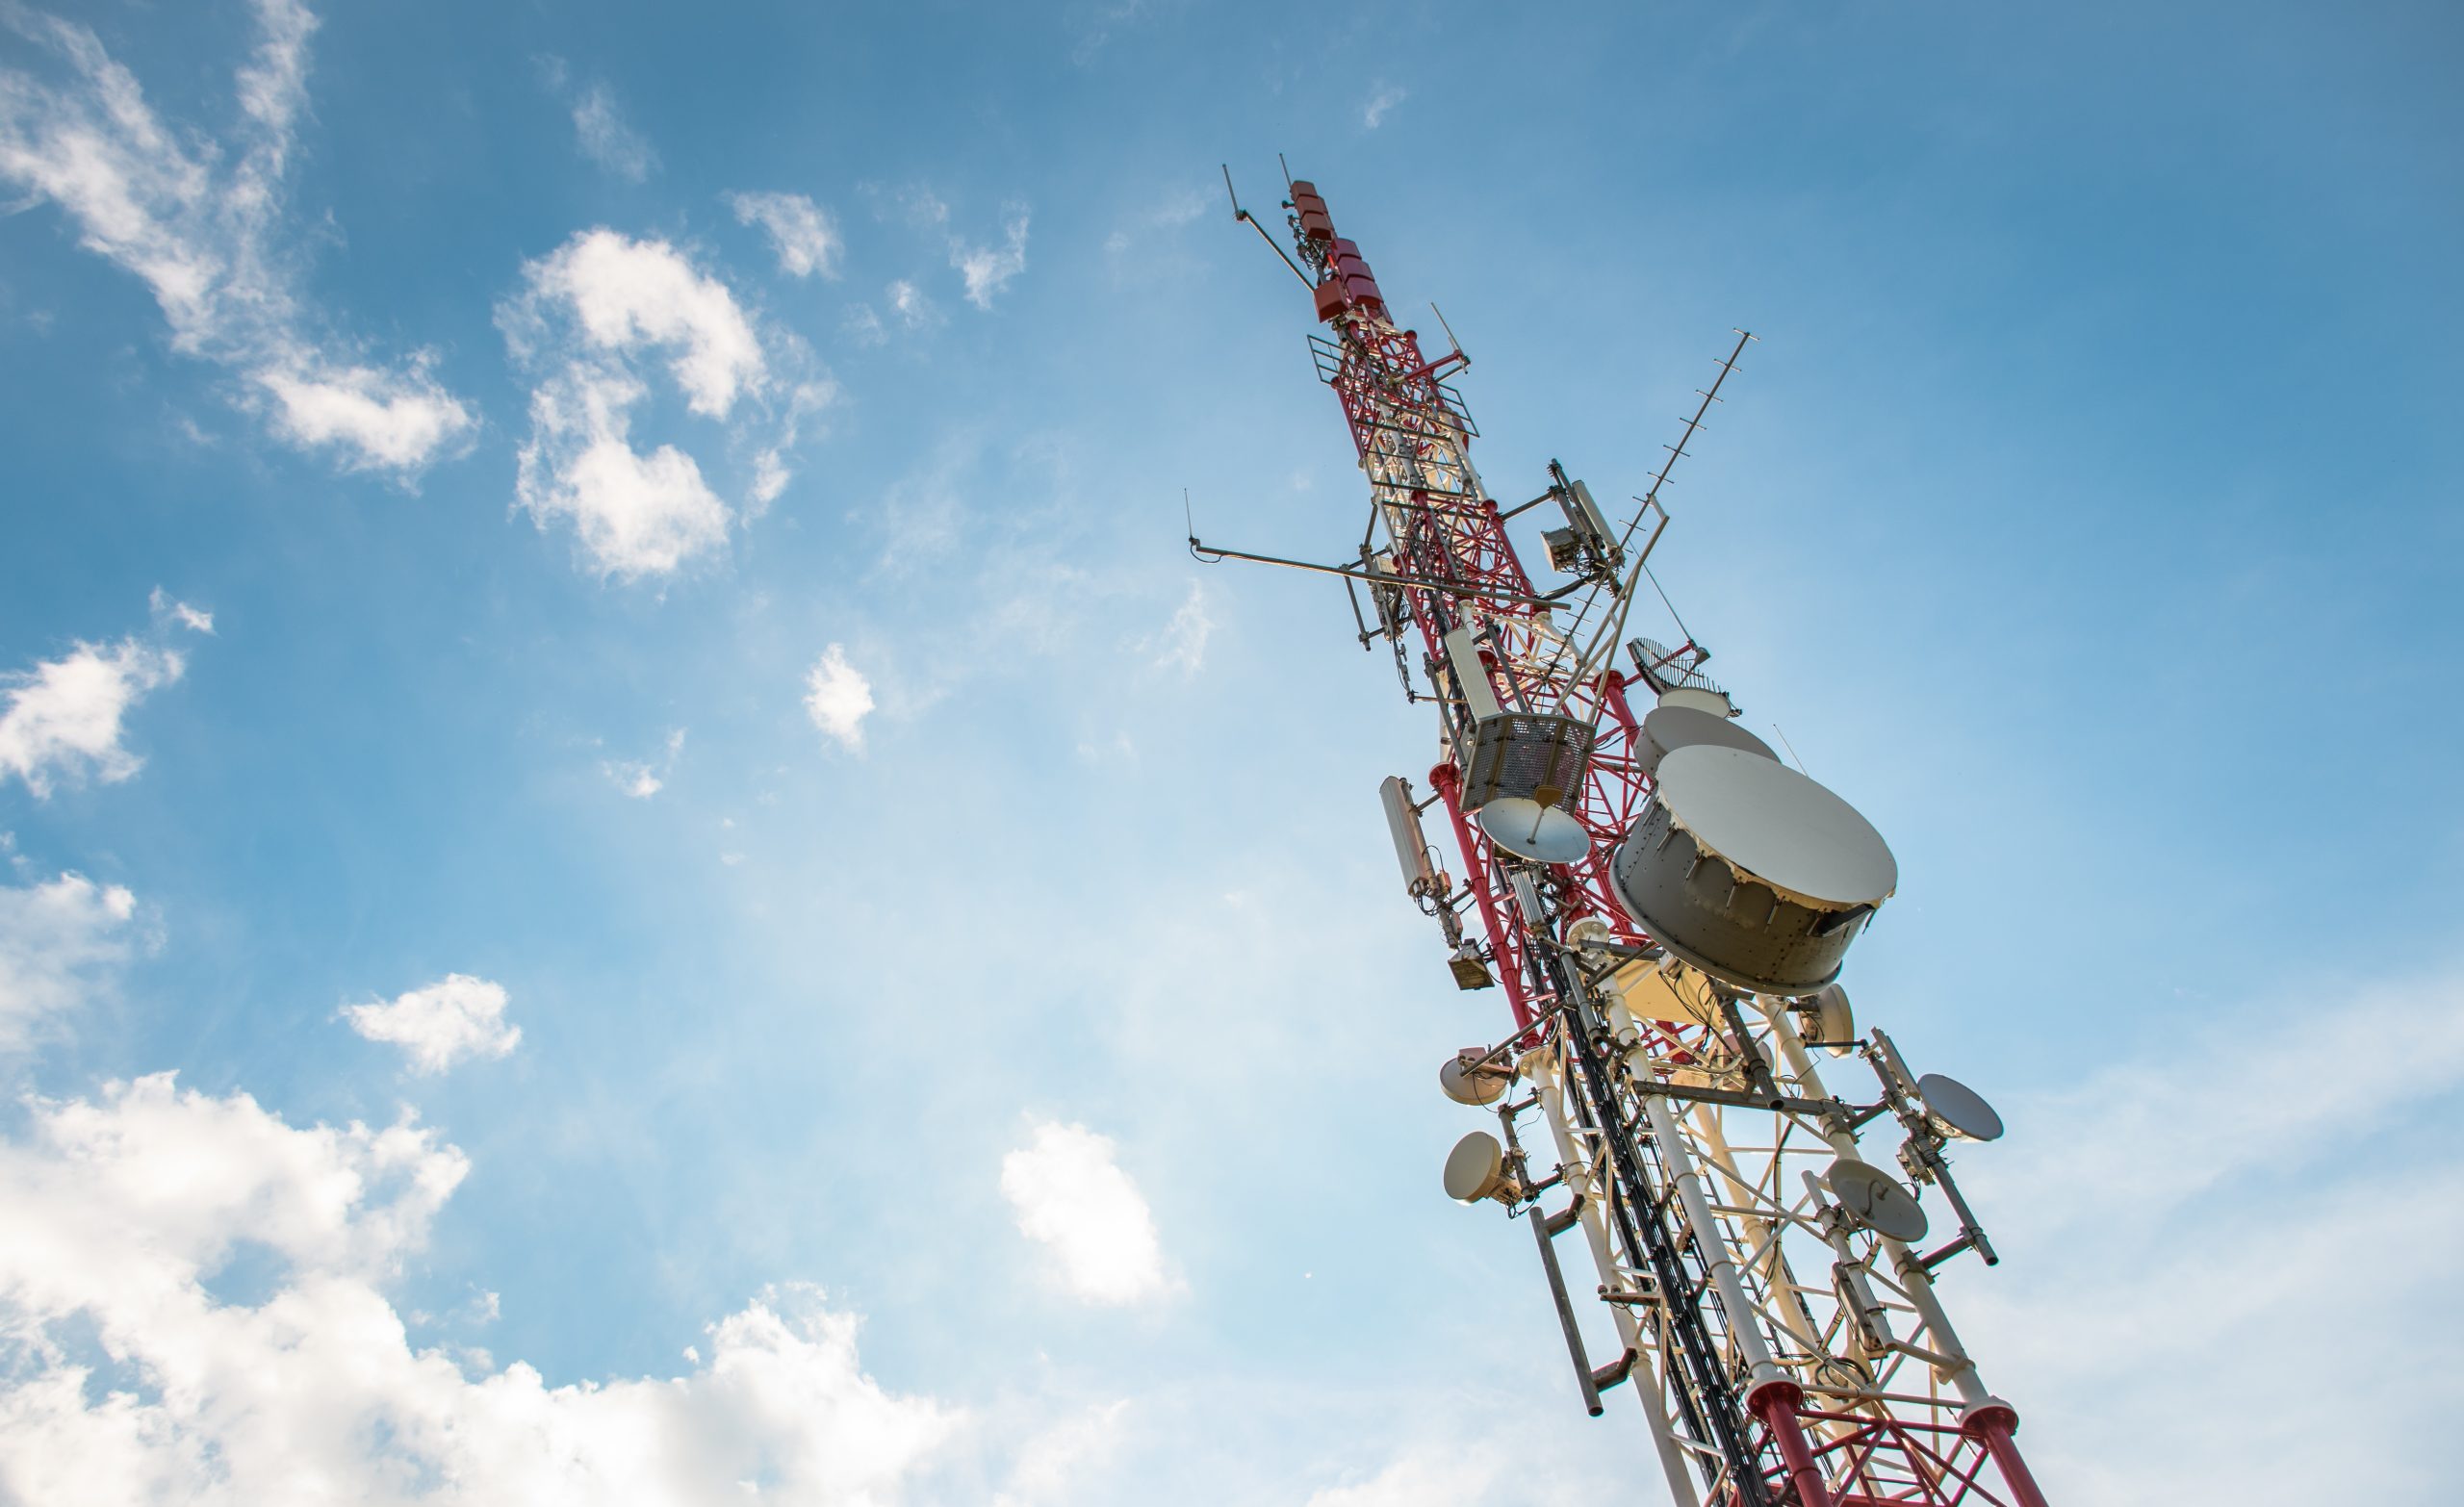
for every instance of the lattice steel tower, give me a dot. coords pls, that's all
(1666, 906)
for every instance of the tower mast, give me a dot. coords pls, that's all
(1664, 906)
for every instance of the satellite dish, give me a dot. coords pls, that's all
(1833, 1021)
(1528, 830)
(1872, 1197)
(1673, 725)
(1797, 876)
(1476, 1170)
(1465, 1083)
(1715, 702)
(1957, 1108)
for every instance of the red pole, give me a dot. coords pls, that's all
(1991, 1424)
(1775, 1403)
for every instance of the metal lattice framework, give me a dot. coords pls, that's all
(1782, 1352)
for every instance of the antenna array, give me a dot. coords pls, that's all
(1666, 908)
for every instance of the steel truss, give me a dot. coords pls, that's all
(1781, 1354)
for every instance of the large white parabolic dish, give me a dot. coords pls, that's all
(1777, 825)
(1668, 728)
(1749, 871)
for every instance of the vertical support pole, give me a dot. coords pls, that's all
(1743, 1331)
(1770, 1396)
(1775, 1405)
(1545, 1068)
(1992, 1425)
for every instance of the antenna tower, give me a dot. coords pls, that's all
(1666, 907)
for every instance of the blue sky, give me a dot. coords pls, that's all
(661, 533)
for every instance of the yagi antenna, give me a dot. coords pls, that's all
(1611, 629)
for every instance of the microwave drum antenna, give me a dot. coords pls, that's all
(1476, 1170)
(1668, 727)
(1751, 871)
(1466, 1084)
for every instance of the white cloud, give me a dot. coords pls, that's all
(453, 1020)
(200, 223)
(63, 717)
(838, 697)
(166, 607)
(624, 295)
(2201, 1222)
(599, 129)
(988, 270)
(800, 232)
(1373, 113)
(57, 939)
(1454, 1478)
(1070, 1196)
(864, 326)
(584, 315)
(1182, 644)
(642, 780)
(1178, 207)
(1050, 1464)
(123, 1379)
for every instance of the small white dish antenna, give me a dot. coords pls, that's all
(1528, 830)
(1831, 1019)
(1589, 932)
(1465, 1083)
(1873, 1200)
(1476, 1170)
(1958, 1110)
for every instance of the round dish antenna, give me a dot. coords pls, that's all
(1465, 1083)
(1829, 1020)
(1528, 830)
(1715, 703)
(1476, 1170)
(1872, 1198)
(1749, 871)
(1958, 1110)
(1674, 724)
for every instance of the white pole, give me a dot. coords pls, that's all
(1544, 1069)
(1744, 1331)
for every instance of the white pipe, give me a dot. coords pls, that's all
(1544, 1074)
(1744, 1330)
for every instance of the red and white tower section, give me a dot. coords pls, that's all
(1681, 1093)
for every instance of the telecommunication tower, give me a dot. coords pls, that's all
(1666, 907)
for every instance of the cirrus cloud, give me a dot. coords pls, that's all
(200, 222)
